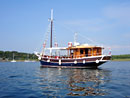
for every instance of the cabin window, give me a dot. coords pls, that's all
(81, 51)
(86, 52)
(71, 51)
(99, 51)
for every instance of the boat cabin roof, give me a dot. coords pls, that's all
(73, 47)
(83, 47)
(56, 48)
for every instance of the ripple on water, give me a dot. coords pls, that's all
(28, 80)
(77, 82)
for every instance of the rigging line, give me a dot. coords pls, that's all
(66, 27)
(94, 42)
(47, 34)
(39, 45)
(62, 25)
(53, 29)
(54, 32)
(45, 37)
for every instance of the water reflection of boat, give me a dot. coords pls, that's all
(92, 80)
(73, 82)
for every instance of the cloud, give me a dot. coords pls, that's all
(112, 16)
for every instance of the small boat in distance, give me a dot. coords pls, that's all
(75, 55)
(13, 59)
(27, 60)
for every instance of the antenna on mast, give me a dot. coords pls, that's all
(51, 28)
(51, 14)
(75, 39)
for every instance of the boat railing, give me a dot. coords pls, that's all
(71, 56)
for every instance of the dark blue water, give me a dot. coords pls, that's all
(28, 80)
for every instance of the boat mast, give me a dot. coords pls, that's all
(13, 56)
(51, 27)
(75, 39)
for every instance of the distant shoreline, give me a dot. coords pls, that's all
(125, 57)
(7, 56)
(120, 60)
(21, 61)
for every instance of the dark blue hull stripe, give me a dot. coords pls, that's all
(87, 64)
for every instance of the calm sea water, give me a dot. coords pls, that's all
(28, 80)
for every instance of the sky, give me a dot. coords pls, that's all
(24, 23)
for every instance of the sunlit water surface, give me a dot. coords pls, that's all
(28, 80)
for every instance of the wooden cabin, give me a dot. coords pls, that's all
(84, 51)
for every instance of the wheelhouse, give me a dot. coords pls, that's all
(84, 51)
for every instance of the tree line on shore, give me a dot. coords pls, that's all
(124, 56)
(9, 55)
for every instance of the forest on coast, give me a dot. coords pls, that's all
(10, 55)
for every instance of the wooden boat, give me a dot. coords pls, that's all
(77, 55)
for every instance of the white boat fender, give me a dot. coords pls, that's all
(48, 60)
(39, 58)
(83, 61)
(75, 62)
(59, 61)
(97, 61)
